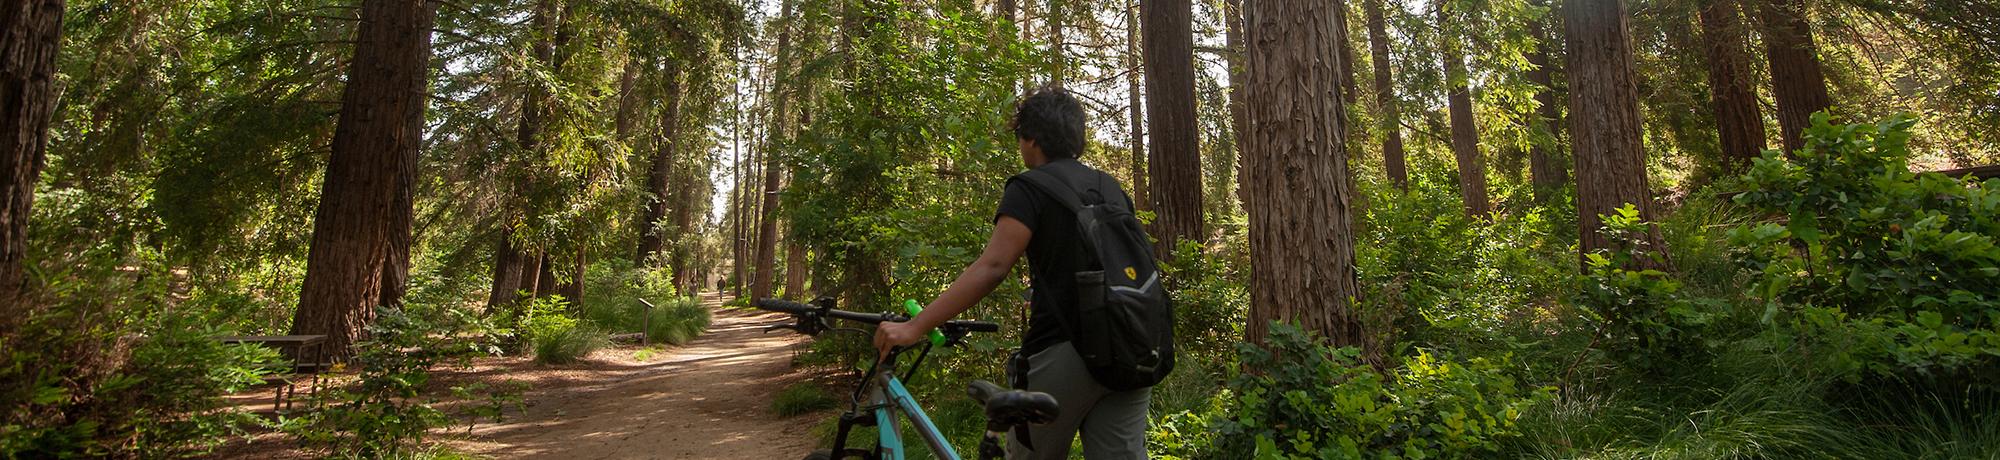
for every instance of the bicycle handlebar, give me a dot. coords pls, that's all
(795, 308)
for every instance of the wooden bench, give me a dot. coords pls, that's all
(308, 356)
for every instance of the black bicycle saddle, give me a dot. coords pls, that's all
(1009, 408)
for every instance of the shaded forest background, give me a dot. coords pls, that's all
(1497, 228)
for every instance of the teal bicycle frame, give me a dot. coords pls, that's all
(890, 393)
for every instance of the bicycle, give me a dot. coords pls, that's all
(880, 394)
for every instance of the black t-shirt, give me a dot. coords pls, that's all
(1055, 254)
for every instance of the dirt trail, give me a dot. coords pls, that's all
(709, 399)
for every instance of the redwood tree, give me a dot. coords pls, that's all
(360, 238)
(1175, 168)
(1301, 242)
(1604, 117)
(660, 176)
(30, 36)
(1389, 115)
(1731, 94)
(1796, 79)
(1545, 171)
(1464, 133)
(1136, 106)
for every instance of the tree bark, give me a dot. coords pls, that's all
(30, 39)
(1797, 82)
(1464, 134)
(545, 281)
(357, 226)
(1175, 168)
(1058, 40)
(1390, 118)
(1301, 243)
(1239, 115)
(659, 177)
(1135, 86)
(1545, 171)
(509, 257)
(795, 268)
(1732, 94)
(774, 173)
(1350, 89)
(531, 273)
(507, 267)
(1604, 118)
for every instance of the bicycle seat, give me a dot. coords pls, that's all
(1010, 408)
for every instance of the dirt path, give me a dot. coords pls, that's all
(709, 399)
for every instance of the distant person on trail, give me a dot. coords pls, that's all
(1048, 122)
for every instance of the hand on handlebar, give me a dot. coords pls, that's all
(888, 336)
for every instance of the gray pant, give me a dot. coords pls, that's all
(1113, 423)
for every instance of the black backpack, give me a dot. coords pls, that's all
(1123, 326)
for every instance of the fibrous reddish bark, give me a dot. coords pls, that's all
(1389, 116)
(1739, 122)
(1301, 243)
(1797, 82)
(1175, 169)
(360, 237)
(1604, 118)
(30, 38)
(1464, 134)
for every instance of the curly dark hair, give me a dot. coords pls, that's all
(1052, 118)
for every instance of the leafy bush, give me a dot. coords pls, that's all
(100, 366)
(386, 411)
(1904, 265)
(1642, 318)
(1305, 400)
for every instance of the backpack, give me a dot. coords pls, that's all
(1123, 326)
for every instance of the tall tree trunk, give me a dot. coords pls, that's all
(1349, 88)
(659, 177)
(531, 273)
(736, 207)
(1464, 134)
(774, 173)
(1732, 94)
(545, 282)
(402, 211)
(30, 39)
(795, 268)
(1301, 243)
(1134, 83)
(355, 229)
(507, 266)
(1604, 118)
(1545, 172)
(1389, 112)
(1058, 40)
(1176, 161)
(1796, 79)
(1239, 115)
(508, 256)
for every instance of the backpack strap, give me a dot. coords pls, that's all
(1054, 187)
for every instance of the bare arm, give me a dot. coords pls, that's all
(1009, 240)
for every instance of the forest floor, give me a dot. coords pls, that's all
(710, 398)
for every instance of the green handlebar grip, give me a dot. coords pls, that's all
(937, 338)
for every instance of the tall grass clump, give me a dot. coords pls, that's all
(557, 338)
(612, 302)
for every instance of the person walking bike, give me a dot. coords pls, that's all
(1100, 326)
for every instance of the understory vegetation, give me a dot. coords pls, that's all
(1604, 229)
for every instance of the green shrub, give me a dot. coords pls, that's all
(386, 411)
(1306, 400)
(104, 364)
(1907, 263)
(802, 398)
(1642, 318)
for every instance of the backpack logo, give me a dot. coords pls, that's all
(1131, 273)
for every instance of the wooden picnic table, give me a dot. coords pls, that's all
(295, 347)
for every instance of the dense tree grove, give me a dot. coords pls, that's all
(1393, 229)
